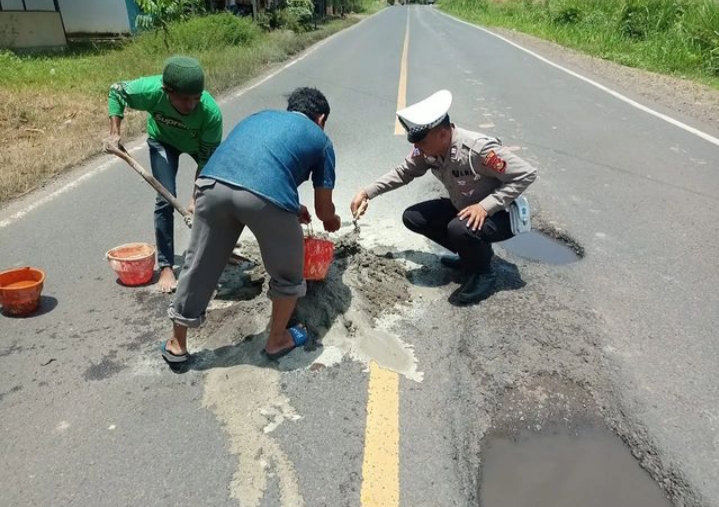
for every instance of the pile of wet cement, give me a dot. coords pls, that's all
(364, 280)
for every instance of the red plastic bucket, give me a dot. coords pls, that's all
(318, 258)
(20, 290)
(133, 263)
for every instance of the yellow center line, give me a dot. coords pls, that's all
(402, 91)
(380, 469)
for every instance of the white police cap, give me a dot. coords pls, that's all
(420, 118)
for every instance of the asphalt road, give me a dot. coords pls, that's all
(90, 415)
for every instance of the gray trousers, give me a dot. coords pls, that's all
(221, 213)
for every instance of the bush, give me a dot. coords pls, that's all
(345, 6)
(701, 25)
(263, 20)
(299, 15)
(201, 34)
(640, 19)
(162, 13)
(565, 12)
(215, 31)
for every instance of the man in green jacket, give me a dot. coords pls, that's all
(183, 118)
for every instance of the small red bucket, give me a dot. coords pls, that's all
(318, 258)
(133, 263)
(20, 290)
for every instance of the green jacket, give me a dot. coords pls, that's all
(198, 133)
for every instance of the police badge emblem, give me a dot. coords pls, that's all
(494, 162)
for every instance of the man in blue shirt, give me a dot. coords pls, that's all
(251, 180)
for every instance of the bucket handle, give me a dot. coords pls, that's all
(309, 231)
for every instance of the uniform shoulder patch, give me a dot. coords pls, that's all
(494, 162)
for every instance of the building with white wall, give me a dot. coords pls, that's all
(97, 16)
(31, 24)
(36, 24)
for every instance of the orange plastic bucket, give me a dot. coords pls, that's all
(318, 258)
(20, 290)
(133, 263)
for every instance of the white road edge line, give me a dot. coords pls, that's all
(615, 94)
(102, 167)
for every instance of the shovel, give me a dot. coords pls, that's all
(119, 150)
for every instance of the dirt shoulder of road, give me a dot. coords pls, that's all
(689, 99)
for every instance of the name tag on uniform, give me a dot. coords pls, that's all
(520, 216)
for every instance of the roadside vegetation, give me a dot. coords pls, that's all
(675, 37)
(53, 107)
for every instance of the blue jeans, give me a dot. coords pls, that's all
(164, 162)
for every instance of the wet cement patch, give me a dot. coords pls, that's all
(549, 447)
(540, 247)
(378, 279)
(558, 467)
(104, 369)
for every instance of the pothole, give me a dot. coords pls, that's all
(557, 467)
(549, 448)
(540, 247)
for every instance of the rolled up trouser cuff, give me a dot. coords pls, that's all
(286, 290)
(184, 321)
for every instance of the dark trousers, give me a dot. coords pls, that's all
(437, 220)
(164, 162)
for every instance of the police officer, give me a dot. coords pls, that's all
(481, 177)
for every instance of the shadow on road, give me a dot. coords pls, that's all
(431, 273)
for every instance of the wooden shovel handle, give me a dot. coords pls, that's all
(120, 151)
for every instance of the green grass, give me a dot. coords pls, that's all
(675, 37)
(230, 48)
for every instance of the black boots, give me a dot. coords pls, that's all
(477, 287)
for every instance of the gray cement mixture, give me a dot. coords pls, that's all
(377, 280)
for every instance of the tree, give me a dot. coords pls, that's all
(160, 13)
(302, 11)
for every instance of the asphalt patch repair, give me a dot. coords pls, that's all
(359, 282)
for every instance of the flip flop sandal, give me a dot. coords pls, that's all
(170, 357)
(299, 337)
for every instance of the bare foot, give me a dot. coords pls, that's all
(173, 347)
(167, 282)
(283, 342)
